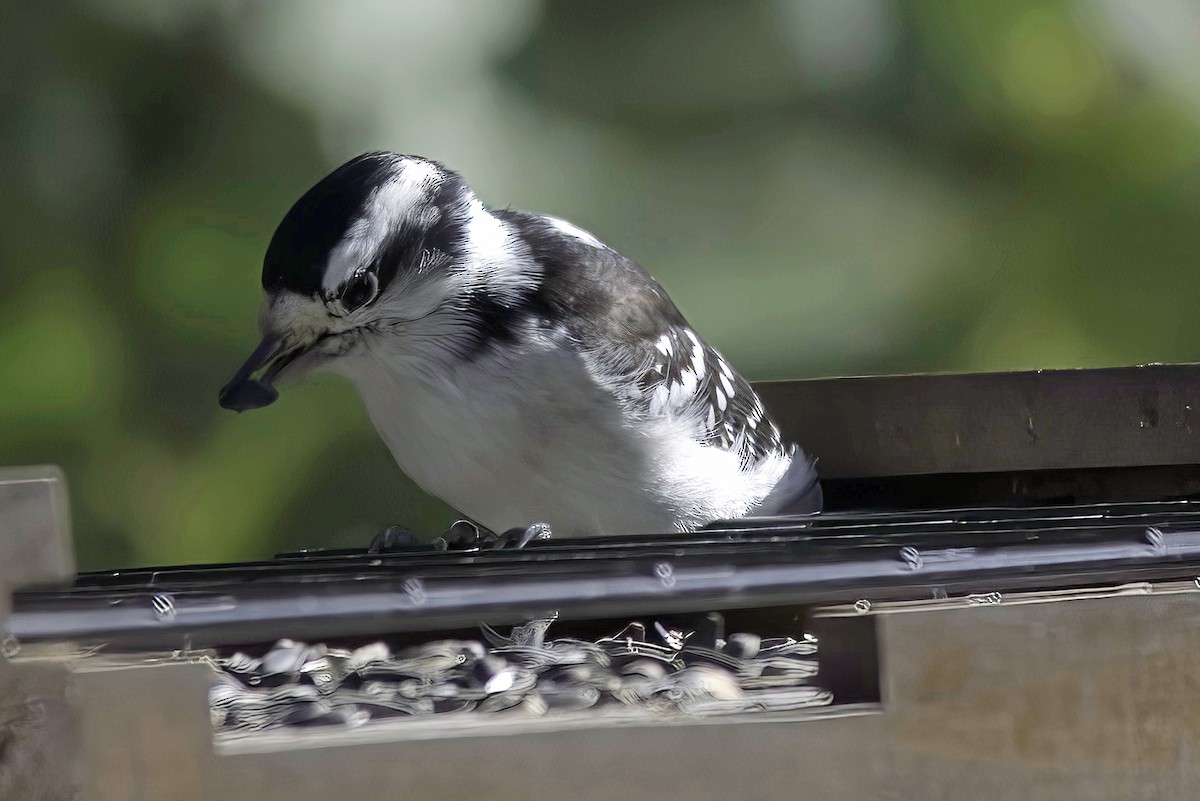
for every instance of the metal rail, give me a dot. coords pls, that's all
(825, 560)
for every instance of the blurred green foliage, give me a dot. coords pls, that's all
(825, 188)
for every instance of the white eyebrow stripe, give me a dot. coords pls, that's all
(389, 206)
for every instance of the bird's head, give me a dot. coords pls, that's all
(377, 252)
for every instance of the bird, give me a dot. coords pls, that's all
(515, 366)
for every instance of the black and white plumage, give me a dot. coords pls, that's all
(516, 366)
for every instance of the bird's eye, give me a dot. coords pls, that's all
(359, 290)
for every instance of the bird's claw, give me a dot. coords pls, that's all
(465, 534)
(393, 538)
(462, 535)
(520, 537)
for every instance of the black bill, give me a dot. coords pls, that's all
(247, 392)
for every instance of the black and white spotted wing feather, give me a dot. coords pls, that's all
(643, 349)
(688, 378)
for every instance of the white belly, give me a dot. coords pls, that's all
(511, 443)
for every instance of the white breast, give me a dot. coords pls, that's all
(510, 442)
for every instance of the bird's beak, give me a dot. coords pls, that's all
(245, 391)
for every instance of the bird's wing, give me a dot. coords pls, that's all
(639, 346)
(678, 376)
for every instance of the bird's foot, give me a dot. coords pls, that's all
(461, 535)
(466, 534)
(395, 538)
(520, 537)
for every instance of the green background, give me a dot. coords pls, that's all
(824, 188)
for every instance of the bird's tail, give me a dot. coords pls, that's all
(798, 490)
